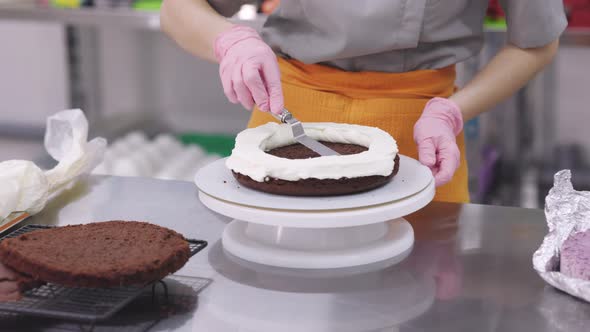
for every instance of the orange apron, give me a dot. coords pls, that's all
(390, 101)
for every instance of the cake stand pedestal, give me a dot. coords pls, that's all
(318, 232)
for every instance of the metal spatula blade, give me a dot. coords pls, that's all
(301, 137)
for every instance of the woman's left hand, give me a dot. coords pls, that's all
(435, 133)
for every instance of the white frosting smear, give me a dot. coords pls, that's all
(249, 156)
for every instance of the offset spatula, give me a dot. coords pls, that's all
(301, 137)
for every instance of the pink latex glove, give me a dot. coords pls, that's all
(435, 133)
(249, 69)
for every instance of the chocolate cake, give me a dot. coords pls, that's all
(102, 254)
(313, 186)
(575, 256)
(13, 284)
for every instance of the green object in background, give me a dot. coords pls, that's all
(495, 23)
(66, 3)
(147, 5)
(212, 143)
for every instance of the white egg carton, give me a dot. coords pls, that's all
(164, 157)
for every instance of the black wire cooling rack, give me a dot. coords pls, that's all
(81, 304)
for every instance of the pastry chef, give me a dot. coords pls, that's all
(383, 63)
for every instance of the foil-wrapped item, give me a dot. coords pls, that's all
(567, 212)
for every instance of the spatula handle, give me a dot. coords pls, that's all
(284, 116)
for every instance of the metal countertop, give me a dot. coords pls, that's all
(470, 270)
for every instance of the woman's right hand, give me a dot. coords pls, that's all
(249, 70)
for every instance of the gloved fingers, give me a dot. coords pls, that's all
(427, 152)
(445, 173)
(449, 158)
(272, 78)
(434, 169)
(253, 80)
(449, 148)
(241, 90)
(225, 73)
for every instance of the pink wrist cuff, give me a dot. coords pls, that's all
(225, 40)
(448, 110)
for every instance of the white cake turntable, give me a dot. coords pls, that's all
(318, 232)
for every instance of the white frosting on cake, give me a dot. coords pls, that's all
(249, 156)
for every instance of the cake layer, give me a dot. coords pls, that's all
(102, 254)
(250, 157)
(575, 256)
(312, 186)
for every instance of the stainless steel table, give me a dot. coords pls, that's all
(470, 270)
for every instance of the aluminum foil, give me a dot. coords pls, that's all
(567, 212)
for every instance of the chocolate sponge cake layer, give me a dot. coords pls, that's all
(13, 284)
(312, 186)
(298, 151)
(102, 254)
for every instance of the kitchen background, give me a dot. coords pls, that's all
(144, 94)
